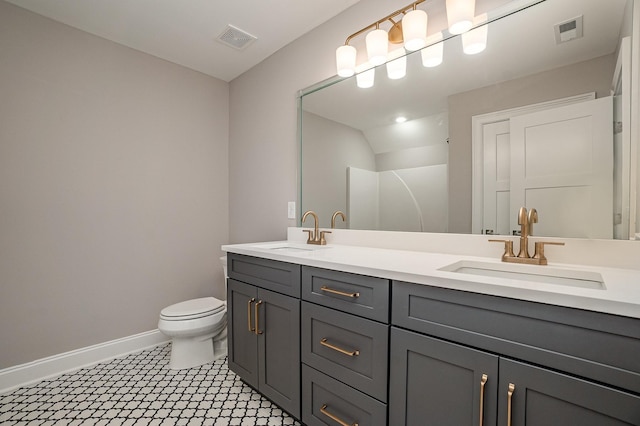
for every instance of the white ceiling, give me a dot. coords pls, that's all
(185, 31)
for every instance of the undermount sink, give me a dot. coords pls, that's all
(290, 247)
(538, 274)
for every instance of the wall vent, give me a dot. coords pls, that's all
(236, 38)
(568, 30)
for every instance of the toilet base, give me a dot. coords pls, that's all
(189, 353)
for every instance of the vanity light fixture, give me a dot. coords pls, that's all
(460, 15)
(411, 31)
(397, 64)
(401, 119)
(377, 46)
(377, 39)
(414, 29)
(346, 60)
(432, 55)
(365, 75)
(475, 41)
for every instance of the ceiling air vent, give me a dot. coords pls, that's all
(568, 30)
(236, 38)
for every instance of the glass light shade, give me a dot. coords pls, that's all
(460, 15)
(414, 30)
(346, 60)
(366, 78)
(377, 46)
(475, 41)
(432, 55)
(397, 64)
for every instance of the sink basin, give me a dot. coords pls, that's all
(286, 246)
(538, 274)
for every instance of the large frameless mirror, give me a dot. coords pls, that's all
(539, 118)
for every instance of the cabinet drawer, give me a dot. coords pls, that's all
(357, 294)
(350, 348)
(326, 401)
(281, 277)
(594, 345)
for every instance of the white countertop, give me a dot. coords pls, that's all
(621, 295)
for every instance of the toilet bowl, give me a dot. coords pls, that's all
(198, 330)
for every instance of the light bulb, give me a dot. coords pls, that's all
(377, 46)
(432, 55)
(414, 30)
(460, 15)
(475, 41)
(366, 78)
(397, 64)
(346, 60)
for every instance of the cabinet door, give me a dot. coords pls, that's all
(278, 329)
(433, 382)
(242, 341)
(542, 397)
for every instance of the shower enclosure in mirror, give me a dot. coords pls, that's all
(541, 118)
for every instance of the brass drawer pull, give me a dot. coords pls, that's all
(324, 342)
(483, 381)
(512, 388)
(338, 292)
(249, 327)
(335, 418)
(258, 331)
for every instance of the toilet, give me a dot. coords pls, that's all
(198, 329)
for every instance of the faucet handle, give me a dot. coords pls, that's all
(539, 251)
(508, 248)
(322, 239)
(311, 235)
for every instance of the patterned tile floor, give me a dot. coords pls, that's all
(140, 389)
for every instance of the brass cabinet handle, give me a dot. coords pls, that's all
(338, 292)
(258, 303)
(512, 388)
(251, 329)
(324, 342)
(335, 418)
(483, 381)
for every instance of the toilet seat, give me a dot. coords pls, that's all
(192, 309)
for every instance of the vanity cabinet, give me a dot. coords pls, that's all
(345, 343)
(544, 365)
(263, 308)
(333, 347)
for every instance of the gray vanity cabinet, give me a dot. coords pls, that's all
(264, 328)
(555, 365)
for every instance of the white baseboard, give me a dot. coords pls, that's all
(24, 374)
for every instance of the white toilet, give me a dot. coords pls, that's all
(198, 329)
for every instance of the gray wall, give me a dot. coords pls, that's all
(589, 76)
(113, 187)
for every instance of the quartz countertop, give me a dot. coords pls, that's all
(620, 295)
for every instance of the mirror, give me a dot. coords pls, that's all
(431, 173)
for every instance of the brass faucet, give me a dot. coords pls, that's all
(333, 218)
(316, 236)
(526, 221)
